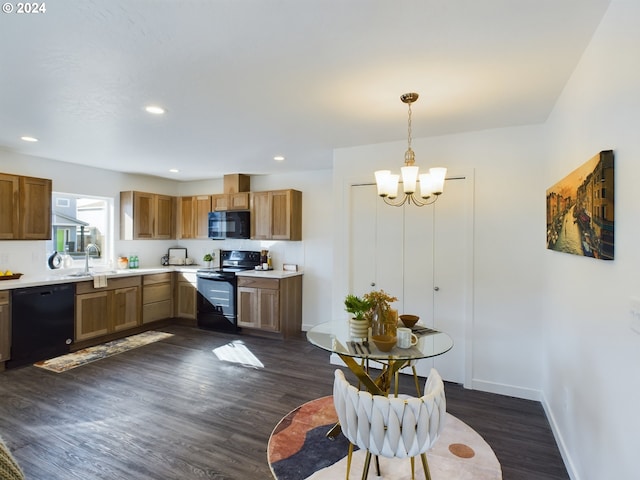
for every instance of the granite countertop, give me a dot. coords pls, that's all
(66, 276)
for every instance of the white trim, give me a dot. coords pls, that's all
(557, 434)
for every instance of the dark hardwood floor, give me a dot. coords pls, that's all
(173, 410)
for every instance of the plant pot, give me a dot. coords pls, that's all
(359, 328)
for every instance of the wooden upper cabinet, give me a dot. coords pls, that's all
(146, 216)
(185, 217)
(193, 216)
(9, 195)
(276, 215)
(202, 207)
(164, 224)
(25, 208)
(230, 201)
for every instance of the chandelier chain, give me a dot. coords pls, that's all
(409, 129)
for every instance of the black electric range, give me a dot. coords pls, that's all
(218, 290)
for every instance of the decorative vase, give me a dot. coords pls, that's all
(359, 328)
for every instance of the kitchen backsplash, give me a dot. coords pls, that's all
(30, 257)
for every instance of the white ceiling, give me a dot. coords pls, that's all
(244, 80)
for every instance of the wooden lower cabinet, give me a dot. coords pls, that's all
(157, 297)
(5, 327)
(270, 304)
(105, 310)
(186, 304)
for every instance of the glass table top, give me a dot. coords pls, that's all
(334, 337)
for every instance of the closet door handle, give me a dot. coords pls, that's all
(436, 288)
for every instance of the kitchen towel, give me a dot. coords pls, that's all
(99, 281)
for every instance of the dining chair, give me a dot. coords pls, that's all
(390, 427)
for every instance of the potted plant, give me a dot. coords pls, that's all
(208, 258)
(358, 308)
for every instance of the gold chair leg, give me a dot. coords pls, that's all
(397, 380)
(413, 468)
(367, 462)
(415, 379)
(349, 457)
(425, 466)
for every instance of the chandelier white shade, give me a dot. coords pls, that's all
(431, 184)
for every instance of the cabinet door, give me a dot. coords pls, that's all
(220, 202)
(125, 308)
(248, 307)
(269, 309)
(35, 209)
(238, 201)
(281, 215)
(261, 215)
(186, 217)
(143, 214)
(202, 207)
(163, 217)
(186, 306)
(92, 315)
(9, 188)
(5, 332)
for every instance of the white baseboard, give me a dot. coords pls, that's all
(566, 458)
(505, 389)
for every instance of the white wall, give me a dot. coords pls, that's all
(591, 385)
(508, 242)
(313, 254)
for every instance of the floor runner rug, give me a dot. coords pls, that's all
(299, 449)
(91, 354)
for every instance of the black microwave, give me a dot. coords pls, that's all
(233, 224)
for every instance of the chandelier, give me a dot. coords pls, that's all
(431, 184)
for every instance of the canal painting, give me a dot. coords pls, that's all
(580, 210)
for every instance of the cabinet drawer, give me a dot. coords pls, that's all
(156, 278)
(4, 297)
(156, 293)
(112, 284)
(186, 277)
(257, 282)
(156, 311)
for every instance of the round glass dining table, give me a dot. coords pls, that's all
(334, 337)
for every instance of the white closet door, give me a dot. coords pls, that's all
(376, 253)
(419, 255)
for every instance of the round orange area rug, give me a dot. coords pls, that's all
(299, 449)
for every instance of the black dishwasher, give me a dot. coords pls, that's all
(41, 323)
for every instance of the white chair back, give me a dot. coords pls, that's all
(391, 427)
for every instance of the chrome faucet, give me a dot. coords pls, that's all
(90, 246)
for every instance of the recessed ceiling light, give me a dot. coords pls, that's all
(278, 158)
(174, 170)
(154, 109)
(27, 138)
